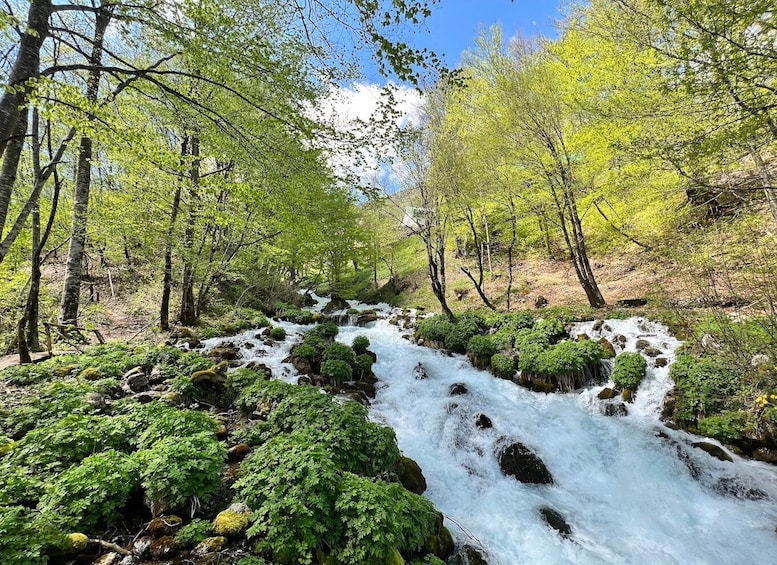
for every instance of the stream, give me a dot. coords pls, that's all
(632, 490)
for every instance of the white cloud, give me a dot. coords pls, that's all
(356, 110)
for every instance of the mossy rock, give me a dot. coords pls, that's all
(66, 370)
(440, 543)
(394, 558)
(74, 543)
(232, 522)
(6, 445)
(410, 475)
(210, 545)
(91, 374)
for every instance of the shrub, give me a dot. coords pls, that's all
(435, 328)
(291, 483)
(241, 379)
(338, 352)
(502, 366)
(481, 346)
(629, 370)
(177, 469)
(269, 393)
(305, 351)
(355, 443)
(363, 363)
(53, 448)
(552, 329)
(726, 428)
(91, 492)
(338, 371)
(278, 334)
(360, 344)
(326, 331)
(293, 314)
(703, 386)
(173, 422)
(461, 333)
(23, 540)
(193, 533)
(375, 518)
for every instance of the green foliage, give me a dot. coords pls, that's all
(360, 344)
(305, 351)
(566, 358)
(703, 386)
(337, 370)
(325, 330)
(552, 329)
(377, 517)
(278, 334)
(269, 393)
(461, 333)
(726, 428)
(50, 449)
(355, 443)
(240, 379)
(434, 328)
(177, 469)
(291, 483)
(293, 314)
(338, 352)
(193, 533)
(363, 363)
(23, 540)
(629, 370)
(481, 346)
(174, 422)
(91, 492)
(503, 366)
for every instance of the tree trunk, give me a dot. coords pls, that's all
(470, 216)
(26, 66)
(13, 154)
(167, 282)
(511, 251)
(189, 312)
(72, 286)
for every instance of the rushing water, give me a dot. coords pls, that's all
(628, 493)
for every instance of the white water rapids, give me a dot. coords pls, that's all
(627, 493)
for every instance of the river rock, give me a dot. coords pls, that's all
(765, 454)
(467, 555)
(483, 422)
(732, 486)
(458, 389)
(652, 352)
(238, 452)
(366, 317)
(607, 393)
(225, 352)
(141, 546)
(96, 400)
(440, 543)
(607, 347)
(209, 545)
(111, 558)
(335, 305)
(540, 302)
(714, 450)
(164, 526)
(136, 381)
(597, 327)
(615, 409)
(419, 373)
(556, 521)
(642, 344)
(410, 475)
(660, 362)
(517, 460)
(163, 547)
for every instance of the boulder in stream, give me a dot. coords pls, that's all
(467, 555)
(715, 450)
(617, 409)
(556, 521)
(410, 475)
(517, 460)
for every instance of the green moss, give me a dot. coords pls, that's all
(629, 370)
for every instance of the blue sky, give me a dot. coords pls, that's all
(455, 23)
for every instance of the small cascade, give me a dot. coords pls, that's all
(627, 490)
